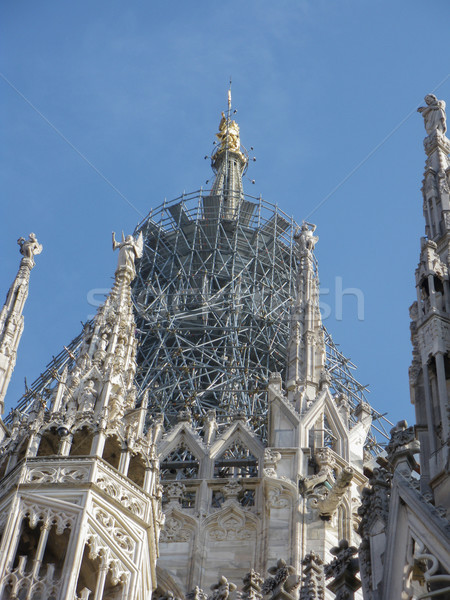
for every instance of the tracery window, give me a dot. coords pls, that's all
(179, 464)
(236, 461)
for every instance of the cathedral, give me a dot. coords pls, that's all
(203, 438)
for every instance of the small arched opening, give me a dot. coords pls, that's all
(49, 444)
(136, 470)
(112, 452)
(81, 442)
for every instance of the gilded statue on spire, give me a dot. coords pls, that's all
(228, 135)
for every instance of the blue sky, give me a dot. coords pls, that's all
(137, 89)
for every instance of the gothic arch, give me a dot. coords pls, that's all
(238, 437)
(184, 433)
(326, 405)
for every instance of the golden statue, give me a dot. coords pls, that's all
(228, 135)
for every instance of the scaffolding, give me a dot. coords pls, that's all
(213, 300)
(213, 297)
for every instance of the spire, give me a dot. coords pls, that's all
(101, 381)
(436, 191)
(306, 347)
(11, 317)
(430, 335)
(229, 162)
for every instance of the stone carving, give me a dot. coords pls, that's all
(174, 530)
(129, 250)
(108, 559)
(329, 504)
(375, 500)
(221, 590)
(36, 513)
(87, 397)
(210, 427)
(278, 498)
(115, 530)
(434, 114)
(343, 570)
(313, 581)
(305, 238)
(174, 491)
(327, 464)
(402, 447)
(26, 583)
(70, 474)
(271, 460)
(231, 491)
(169, 595)
(196, 594)
(231, 525)
(283, 584)
(251, 590)
(29, 248)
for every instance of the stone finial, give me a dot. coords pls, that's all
(222, 589)
(184, 416)
(313, 580)
(174, 491)
(251, 589)
(240, 416)
(343, 570)
(232, 490)
(283, 584)
(169, 595)
(271, 460)
(402, 447)
(375, 500)
(196, 594)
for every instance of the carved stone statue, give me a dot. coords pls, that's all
(88, 396)
(305, 238)
(30, 247)
(434, 114)
(129, 250)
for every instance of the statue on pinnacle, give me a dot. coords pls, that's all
(129, 250)
(434, 115)
(30, 247)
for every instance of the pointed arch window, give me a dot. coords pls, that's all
(179, 464)
(236, 461)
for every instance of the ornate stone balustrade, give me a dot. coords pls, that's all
(80, 470)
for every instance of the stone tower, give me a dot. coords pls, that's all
(79, 491)
(239, 499)
(405, 547)
(430, 328)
